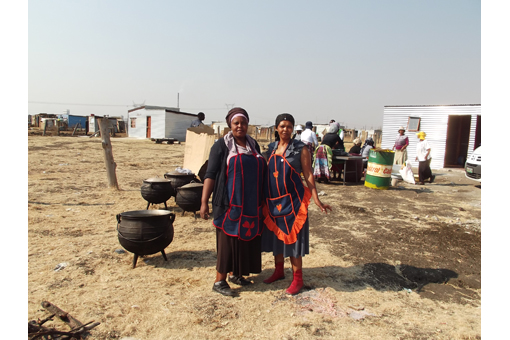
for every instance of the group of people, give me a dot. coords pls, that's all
(423, 156)
(259, 205)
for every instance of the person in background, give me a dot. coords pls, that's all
(286, 228)
(369, 144)
(400, 147)
(297, 135)
(365, 152)
(356, 148)
(235, 173)
(199, 120)
(310, 139)
(423, 157)
(368, 141)
(332, 139)
(340, 131)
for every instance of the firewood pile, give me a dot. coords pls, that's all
(77, 330)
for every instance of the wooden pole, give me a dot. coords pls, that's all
(75, 127)
(44, 128)
(108, 154)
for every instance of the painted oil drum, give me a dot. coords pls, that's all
(380, 164)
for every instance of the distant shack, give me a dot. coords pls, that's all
(159, 122)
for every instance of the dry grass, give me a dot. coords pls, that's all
(71, 219)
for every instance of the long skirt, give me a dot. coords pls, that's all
(321, 166)
(424, 171)
(237, 256)
(271, 243)
(400, 157)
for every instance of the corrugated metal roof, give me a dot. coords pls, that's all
(151, 107)
(434, 121)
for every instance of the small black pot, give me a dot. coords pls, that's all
(145, 232)
(179, 179)
(189, 196)
(157, 190)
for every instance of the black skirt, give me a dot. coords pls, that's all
(424, 171)
(237, 256)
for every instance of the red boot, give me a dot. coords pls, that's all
(277, 275)
(296, 284)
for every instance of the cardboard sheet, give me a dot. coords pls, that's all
(199, 141)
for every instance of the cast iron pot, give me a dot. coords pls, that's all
(157, 190)
(179, 179)
(145, 232)
(189, 196)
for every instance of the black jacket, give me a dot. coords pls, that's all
(331, 139)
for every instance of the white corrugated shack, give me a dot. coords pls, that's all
(453, 131)
(159, 122)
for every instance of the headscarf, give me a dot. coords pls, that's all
(421, 135)
(333, 128)
(229, 137)
(368, 141)
(309, 125)
(236, 111)
(281, 117)
(284, 116)
(357, 141)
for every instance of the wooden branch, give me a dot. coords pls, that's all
(64, 316)
(95, 134)
(41, 322)
(75, 127)
(37, 331)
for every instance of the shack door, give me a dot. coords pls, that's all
(457, 141)
(148, 127)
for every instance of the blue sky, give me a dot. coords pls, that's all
(319, 60)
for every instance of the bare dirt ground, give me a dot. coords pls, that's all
(402, 263)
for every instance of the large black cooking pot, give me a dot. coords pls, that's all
(189, 196)
(145, 232)
(157, 190)
(179, 179)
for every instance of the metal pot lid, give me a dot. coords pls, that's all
(157, 180)
(145, 213)
(177, 173)
(191, 185)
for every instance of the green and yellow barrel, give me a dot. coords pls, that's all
(380, 164)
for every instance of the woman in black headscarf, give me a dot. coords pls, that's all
(234, 176)
(286, 229)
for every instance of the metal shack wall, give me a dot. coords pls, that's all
(176, 125)
(140, 129)
(73, 120)
(434, 122)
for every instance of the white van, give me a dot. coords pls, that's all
(473, 167)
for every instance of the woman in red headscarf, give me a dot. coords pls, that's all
(234, 176)
(286, 231)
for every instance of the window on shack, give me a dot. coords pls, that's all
(133, 122)
(413, 124)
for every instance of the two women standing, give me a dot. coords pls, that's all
(250, 195)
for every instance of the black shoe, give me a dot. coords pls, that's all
(223, 288)
(239, 280)
(432, 178)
